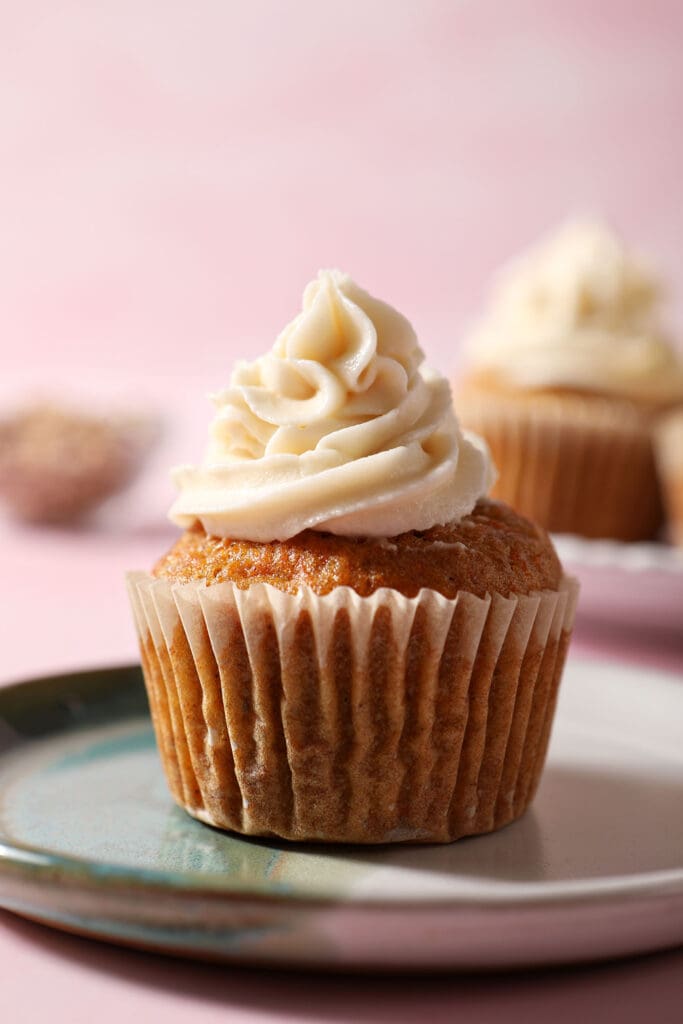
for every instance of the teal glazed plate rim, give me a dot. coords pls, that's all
(91, 842)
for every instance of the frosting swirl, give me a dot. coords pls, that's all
(338, 428)
(579, 311)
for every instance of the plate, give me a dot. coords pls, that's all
(639, 586)
(90, 842)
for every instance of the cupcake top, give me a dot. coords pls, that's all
(339, 428)
(579, 311)
(492, 550)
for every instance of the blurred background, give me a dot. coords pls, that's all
(174, 173)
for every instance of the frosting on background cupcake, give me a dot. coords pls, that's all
(579, 311)
(339, 428)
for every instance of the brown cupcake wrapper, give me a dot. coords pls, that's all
(669, 449)
(570, 464)
(343, 718)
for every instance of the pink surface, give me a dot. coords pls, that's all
(81, 981)
(173, 173)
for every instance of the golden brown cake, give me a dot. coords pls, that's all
(349, 642)
(491, 550)
(567, 377)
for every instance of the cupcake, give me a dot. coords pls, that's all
(669, 447)
(350, 642)
(566, 376)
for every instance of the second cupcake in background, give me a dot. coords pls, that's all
(566, 377)
(349, 642)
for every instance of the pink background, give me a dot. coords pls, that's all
(173, 172)
(172, 175)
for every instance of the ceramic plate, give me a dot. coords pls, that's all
(639, 586)
(90, 842)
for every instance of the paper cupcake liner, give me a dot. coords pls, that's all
(669, 449)
(351, 719)
(572, 465)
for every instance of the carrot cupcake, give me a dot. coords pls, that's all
(567, 375)
(350, 642)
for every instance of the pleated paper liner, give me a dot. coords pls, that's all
(343, 718)
(669, 447)
(572, 464)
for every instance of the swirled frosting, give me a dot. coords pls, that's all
(338, 428)
(579, 311)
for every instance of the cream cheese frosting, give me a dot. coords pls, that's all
(579, 311)
(339, 428)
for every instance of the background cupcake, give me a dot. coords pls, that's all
(567, 375)
(349, 643)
